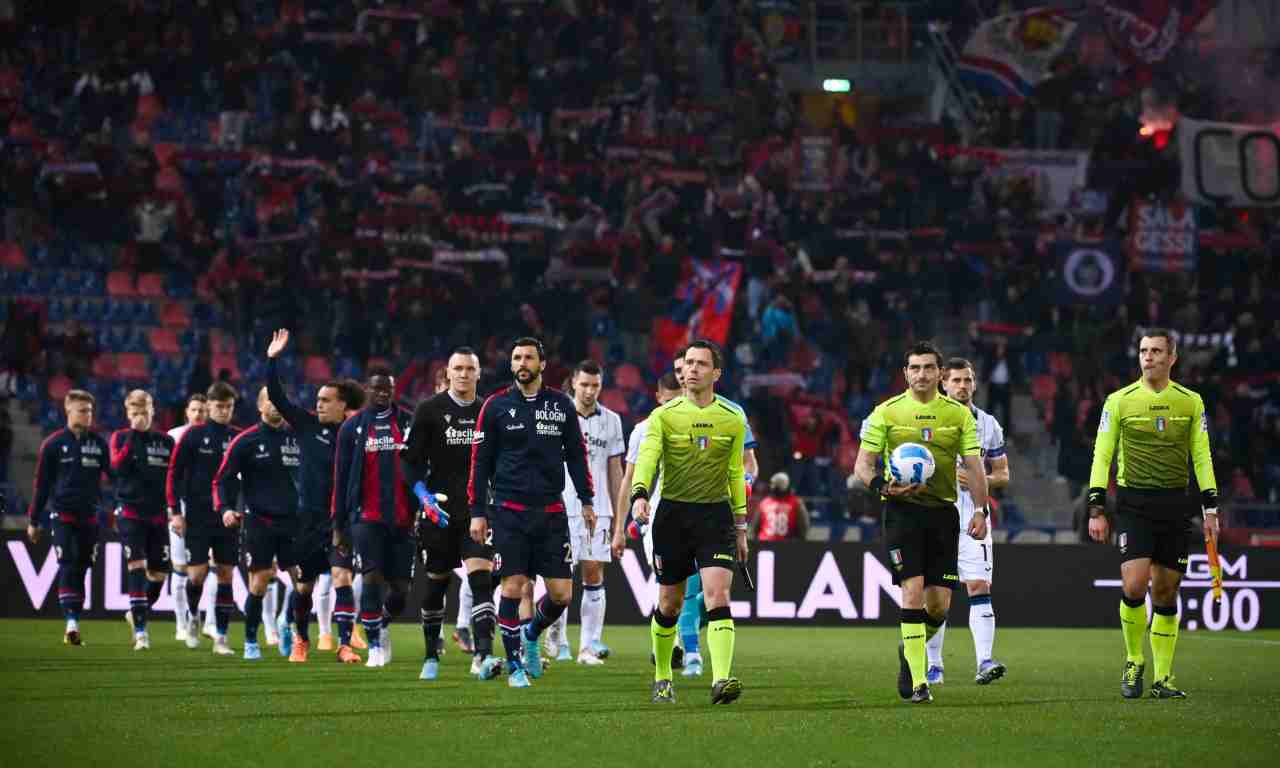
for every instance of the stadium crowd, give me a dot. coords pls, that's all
(391, 183)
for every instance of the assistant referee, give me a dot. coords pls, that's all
(1157, 425)
(701, 523)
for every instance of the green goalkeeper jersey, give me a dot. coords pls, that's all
(944, 426)
(1152, 435)
(699, 451)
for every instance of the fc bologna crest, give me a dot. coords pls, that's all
(926, 434)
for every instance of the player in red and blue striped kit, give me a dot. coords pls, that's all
(373, 511)
(140, 462)
(68, 482)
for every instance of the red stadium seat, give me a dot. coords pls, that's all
(165, 152)
(1044, 388)
(629, 378)
(317, 369)
(175, 315)
(164, 341)
(104, 366)
(224, 362)
(616, 401)
(133, 366)
(12, 256)
(120, 283)
(151, 284)
(58, 388)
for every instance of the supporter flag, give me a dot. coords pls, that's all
(1145, 31)
(702, 308)
(1089, 272)
(1162, 238)
(1010, 54)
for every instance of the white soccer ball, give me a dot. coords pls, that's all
(911, 463)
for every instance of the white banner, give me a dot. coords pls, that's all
(1053, 176)
(1230, 164)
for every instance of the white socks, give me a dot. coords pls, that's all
(322, 596)
(466, 601)
(593, 602)
(933, 648)
(207, 599)
(982, 623)
(181, 611)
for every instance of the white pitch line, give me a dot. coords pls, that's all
(1198, 584)
(1209, 635)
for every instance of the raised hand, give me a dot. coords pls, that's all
(279, 340)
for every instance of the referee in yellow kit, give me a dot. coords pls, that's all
(1157, 425)
(701, 524)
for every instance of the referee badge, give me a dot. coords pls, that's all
(926, 434)
(702, 443)
(1160, 423)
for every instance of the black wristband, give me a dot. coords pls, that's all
(1097, 497)
(639, 493)
(877, 484)
(1209, 499)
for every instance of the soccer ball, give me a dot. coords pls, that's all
(911, 463)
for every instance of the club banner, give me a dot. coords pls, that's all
(1162, 238)
(1009, 55)
(1089, 273)
(1052, 177)
(1145, 31)
(1229, 164)
(801, 583)
(814, 167)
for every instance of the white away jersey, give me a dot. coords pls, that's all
(602, 432)
(991, 443)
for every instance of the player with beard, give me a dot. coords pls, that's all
(527, 436)
(265, 457)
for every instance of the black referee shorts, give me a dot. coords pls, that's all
(1156, 524)
(922, 541)
(689, 536)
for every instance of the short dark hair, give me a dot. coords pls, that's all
(1165, 333)
(221, 391)
(529, 341)
(922, 348)
(679, 358)
(350, 392)
(196, 397)
(465, 350)
(379, 370)
(959, 363)
(589, 367)
(717, 360)
(669, 382)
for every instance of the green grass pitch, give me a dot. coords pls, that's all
(813, 697)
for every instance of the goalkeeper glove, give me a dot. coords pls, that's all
(431, 509)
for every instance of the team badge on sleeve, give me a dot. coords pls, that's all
(895, 556)
(1104, 424)
(1204, 422)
